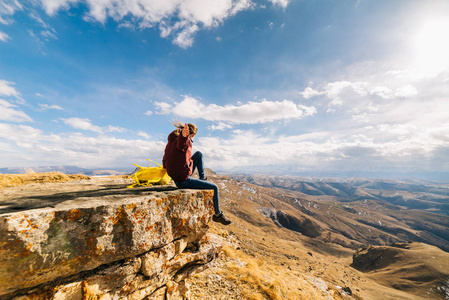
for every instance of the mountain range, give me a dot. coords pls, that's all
(352, 237)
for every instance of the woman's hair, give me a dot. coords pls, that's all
(180, 126)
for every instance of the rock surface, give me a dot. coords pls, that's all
(103, 242)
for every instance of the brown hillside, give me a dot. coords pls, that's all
(417, 268)
(321, 263)
(11, 180)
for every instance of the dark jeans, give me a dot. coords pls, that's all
(190, 183)
(197, 158)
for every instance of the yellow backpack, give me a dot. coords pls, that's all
(148, 176)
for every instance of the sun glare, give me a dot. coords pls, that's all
(432, 47)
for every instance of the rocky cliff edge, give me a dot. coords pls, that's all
(92, 241)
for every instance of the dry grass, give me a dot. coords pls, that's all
(260, 280)
(238, 274)
(11, 180)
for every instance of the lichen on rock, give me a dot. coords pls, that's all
(102, 246)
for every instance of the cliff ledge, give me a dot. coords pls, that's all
(96, 240)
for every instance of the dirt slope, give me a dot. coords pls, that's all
(417, 268)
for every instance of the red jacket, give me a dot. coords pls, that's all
(178, 157)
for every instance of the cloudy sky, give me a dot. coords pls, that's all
(294, 85)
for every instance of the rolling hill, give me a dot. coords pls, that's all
(322, 228)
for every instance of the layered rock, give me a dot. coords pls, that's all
(107, 247)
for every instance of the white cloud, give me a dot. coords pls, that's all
(5, 103)
(369, 103)
(401, 92)
(384, 121)
(335, 88)
(407, 91)
(7, 113)
(48, 34)
(3, 36)
(179, 19)
(220, 126)
(209, 13)
(7, 89)
(363, 117)
(357, 96)
(310, 92)
(46, 106)
(7, 9)
(341, 91)
(250, 113)
(43, 36)
(382, 92)
(163, 107)
(381, 121)
(144, 135)
(148, 113)
(380, 147)
(118, 129)
(52, 6)
(240, 5)
(27, 146)
(185, 38)
(337, 91)
(281, 3)
(83, 124)
(86, 124)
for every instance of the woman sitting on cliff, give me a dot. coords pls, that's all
(180, 165)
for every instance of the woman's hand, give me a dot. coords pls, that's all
(185, 131)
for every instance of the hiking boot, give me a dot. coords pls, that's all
(221, 219)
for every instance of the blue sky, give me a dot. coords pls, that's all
(302, 86)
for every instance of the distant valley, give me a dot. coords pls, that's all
(355, 212)
(392, 233)
(404, 193)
